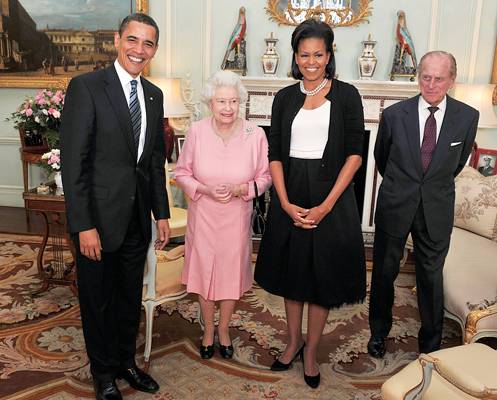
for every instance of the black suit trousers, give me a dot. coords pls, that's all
(429, 259)
(110, 293)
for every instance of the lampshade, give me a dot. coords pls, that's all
(173, 103)
(479, 97)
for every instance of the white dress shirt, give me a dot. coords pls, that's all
(125, 78)
(424, 113)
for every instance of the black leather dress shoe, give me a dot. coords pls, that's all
(106, 390)
(226, 351)
(139, 380)
(377, 347)
(206, 352)
(279, 366)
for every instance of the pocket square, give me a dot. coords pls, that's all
(455, 144)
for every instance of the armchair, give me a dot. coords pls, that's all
(162, 278)
(461, 372)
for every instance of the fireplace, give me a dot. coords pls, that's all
(376, 96)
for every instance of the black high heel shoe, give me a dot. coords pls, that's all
(279, 366)
(226, 351)
(206, 352)
(311, 380)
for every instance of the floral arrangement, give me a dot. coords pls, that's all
(41, 113)
(51, 161)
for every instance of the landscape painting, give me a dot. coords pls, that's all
(44, 43)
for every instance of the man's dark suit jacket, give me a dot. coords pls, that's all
(102, 179)
(398, 159)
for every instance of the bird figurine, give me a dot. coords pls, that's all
(404, 38)
(236, 38)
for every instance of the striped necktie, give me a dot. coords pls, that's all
(429, 139)
(135, 113)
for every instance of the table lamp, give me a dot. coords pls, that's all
(478, 96)
(176, 115)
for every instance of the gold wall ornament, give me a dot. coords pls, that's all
(292, 12)
(56, 81)
(142, 6)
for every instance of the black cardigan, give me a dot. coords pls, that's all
(345, 133)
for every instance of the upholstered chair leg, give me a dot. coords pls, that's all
(149, 321)
(200, 318)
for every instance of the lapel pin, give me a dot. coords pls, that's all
(151, 98)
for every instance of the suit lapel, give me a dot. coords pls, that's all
(150, 102)
(117, 98)
(411, 127)
(444, 138)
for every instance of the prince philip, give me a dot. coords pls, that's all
(113, 174)
(422, 144)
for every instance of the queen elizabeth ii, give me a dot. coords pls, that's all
(224, 157)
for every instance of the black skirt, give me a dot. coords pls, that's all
(325, 265)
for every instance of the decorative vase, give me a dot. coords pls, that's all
(367, 61)
(270, 58)
(58, 180)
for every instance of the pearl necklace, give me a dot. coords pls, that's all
(315, 90)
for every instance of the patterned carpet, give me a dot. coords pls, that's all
(42, 348)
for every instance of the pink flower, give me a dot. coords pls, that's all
(54, 159)
(29, 112)
(49, 93)
(41, 101)
(56, 99)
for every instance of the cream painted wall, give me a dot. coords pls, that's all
(194, 35)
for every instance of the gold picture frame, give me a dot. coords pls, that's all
(285, 13)
(57, 81)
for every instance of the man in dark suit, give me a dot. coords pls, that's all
(113, 173)
(422, 144)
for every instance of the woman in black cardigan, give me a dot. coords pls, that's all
(312, 250)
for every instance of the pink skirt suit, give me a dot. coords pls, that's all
(218, 242)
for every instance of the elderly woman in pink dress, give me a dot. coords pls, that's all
(222, 159)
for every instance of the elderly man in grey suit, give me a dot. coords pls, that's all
(422, 144)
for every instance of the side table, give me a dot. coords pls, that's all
(52, 208)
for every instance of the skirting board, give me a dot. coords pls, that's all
(11, 196)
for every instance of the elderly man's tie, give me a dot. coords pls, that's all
(429, 139)
(135, 113)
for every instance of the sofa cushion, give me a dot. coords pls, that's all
(476, 203)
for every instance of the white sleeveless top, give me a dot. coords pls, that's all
(310, 132)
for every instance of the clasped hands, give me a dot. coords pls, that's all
(224, 192)
(306, 218)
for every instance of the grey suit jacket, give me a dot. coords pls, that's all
(398, 159)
